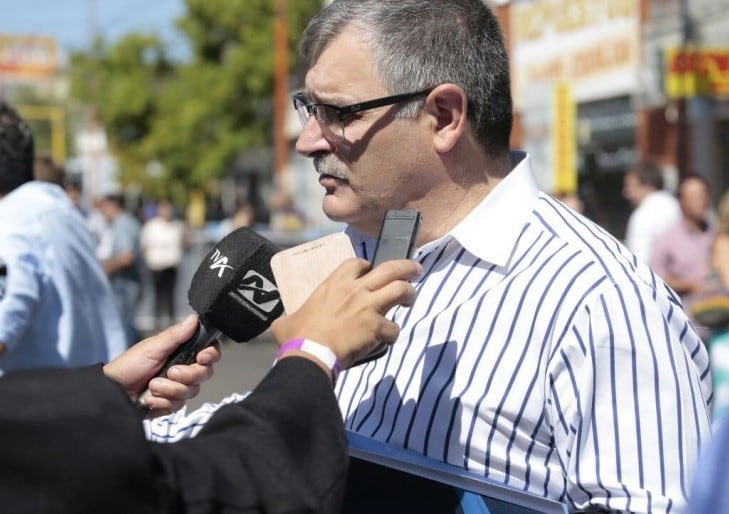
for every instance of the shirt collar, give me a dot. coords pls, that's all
(491, 229)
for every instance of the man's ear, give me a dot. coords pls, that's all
(447, 105)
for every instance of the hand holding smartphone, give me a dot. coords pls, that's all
(299, 270)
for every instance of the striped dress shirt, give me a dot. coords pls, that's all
(542, 354)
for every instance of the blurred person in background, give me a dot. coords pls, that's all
(681, 254)
(284, 213)
(123, 265)
(244, 215)
(45, 170)
(720, 248)
(164, 239)
(719, 340)
(654, 209)
(571, 200)
(57, 308)
(74, 190)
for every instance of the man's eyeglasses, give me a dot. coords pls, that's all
(332, 118)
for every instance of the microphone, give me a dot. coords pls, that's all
(233, 292)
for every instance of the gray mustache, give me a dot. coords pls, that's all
(328, 166)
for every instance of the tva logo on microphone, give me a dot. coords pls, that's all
(220, 263)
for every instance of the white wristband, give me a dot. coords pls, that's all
(321, 352)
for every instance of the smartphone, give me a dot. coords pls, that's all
(300, 269)
(398, 235)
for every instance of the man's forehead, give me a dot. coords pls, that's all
(343, 70)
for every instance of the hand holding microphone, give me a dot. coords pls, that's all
(233, 292)
(133, 369)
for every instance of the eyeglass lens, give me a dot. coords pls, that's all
(327, 117)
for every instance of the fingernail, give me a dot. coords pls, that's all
(189, 321)
(173, 373)
(204, 359)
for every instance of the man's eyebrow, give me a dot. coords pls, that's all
(335, 99)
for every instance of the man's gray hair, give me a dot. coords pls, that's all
(417, 44)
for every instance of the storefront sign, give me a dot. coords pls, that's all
(592, 44)
(564, 140)
(697, 71)
(26, 57)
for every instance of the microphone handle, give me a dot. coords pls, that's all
(184, 354)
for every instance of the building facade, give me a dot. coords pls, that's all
(627, 79)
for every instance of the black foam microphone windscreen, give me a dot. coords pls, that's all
(233, 292)
(233, 289)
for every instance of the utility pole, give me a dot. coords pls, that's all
(688, 56)
(91, 21)
(281, 104)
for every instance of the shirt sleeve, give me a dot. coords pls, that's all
(23, 288)
(183, 425)
(628, 403)
(126, 237)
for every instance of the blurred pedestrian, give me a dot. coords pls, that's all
(720, 248)
(124, 264)
(57, 308)
(163, 240)
(46, 170)
(571, 200)
(681, 254)
(284, 213)
(243, 216)
(74, 190)
(654, 208)
(719, 340)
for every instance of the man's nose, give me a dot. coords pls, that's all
(312, 141)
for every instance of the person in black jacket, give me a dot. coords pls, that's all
(71, 441)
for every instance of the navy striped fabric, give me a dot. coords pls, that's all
(540, 353)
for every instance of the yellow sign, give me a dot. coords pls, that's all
(57, 118)
(28, 56)
(697, 71)
(564, 140)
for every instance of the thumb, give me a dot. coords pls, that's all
(167, 341)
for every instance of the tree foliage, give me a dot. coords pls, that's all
(194, 115)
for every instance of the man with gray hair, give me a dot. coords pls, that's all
(539, 353)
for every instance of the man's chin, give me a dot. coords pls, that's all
(338, 210)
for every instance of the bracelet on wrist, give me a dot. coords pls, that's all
(318, 350)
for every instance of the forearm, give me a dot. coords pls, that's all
(118, 263)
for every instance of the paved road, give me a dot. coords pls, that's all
(242, 367)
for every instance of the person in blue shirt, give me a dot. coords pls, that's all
(57, 308)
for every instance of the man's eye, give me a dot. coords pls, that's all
(349, 117)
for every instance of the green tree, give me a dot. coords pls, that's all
(194, 116)
(123, 82)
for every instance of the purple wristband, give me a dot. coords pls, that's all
(318, 350)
